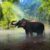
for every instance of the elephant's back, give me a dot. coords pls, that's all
(36, 25)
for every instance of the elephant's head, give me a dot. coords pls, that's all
(20, 23)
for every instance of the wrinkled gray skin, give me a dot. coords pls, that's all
(30, 27)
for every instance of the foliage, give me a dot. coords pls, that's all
(45, 9)
(1, 13)
(11, 1)
(9, 14)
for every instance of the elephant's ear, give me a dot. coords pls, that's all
(23, 23)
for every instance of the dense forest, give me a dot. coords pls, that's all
(14, 10)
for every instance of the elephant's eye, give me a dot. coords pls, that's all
(23, 24)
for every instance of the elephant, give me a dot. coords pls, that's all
(30, 27)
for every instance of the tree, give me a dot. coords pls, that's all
(11, 1)
(9, 14)
(45, 7)
(1, 13)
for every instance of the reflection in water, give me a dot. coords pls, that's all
(17, 34)
(17, 40)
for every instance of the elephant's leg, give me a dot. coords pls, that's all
(31, 34)
(27, 33)
(40, 34)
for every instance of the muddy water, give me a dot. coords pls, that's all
(19, 35)
(16, 40)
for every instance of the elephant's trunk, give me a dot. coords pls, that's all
(13, 23)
